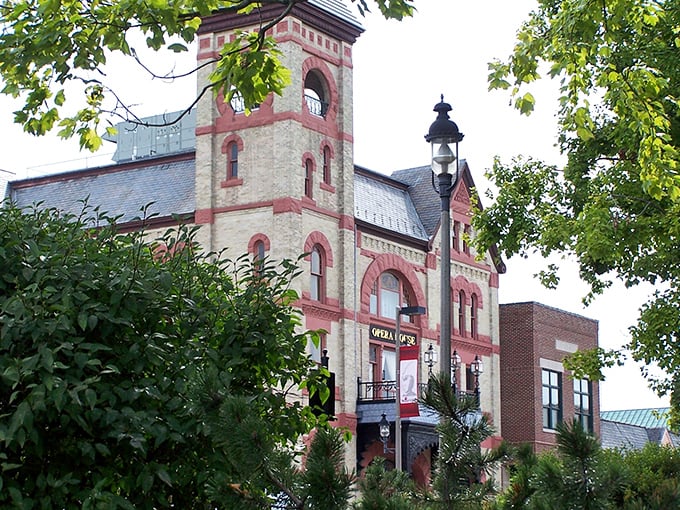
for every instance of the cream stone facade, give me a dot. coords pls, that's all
(282, 182)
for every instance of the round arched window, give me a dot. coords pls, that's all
(316, 94)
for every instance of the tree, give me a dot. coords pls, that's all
(117, 353)
(47, 45)
(462, 469)
(615, 205)
(581, 475)
(576, 476)
(385, 490)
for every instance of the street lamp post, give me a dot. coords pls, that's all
(384, 427)
(410, 311)
(442, 133)
(477, 368)
(455, 365)
(429, 360)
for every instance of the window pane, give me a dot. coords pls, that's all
(314, 287)
(389, 365)
(545, 377)
(546, 396)
(373, 305)
(316, 261)
(389, 301)
(554, 396)
(389, 281)
(586, 403)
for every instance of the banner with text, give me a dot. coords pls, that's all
(408, 381)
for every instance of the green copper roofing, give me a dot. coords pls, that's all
(652, 418)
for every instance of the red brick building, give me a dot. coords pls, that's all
(537, 392)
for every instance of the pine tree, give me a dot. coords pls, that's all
(462, 468)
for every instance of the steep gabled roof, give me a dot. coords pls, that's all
(427, 204)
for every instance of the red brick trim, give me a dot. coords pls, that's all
(255, 239)
(385, 262)
(317, 237)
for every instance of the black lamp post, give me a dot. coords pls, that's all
(443, 133)
(429, 360)
(455, 365)
(477, 368)
(384, 427)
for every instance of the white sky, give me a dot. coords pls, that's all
(400, 70)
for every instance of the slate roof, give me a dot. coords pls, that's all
(337, 8)
(622, 435)
(424, 197)
(387, 204)
(118, 189)
(648, 418)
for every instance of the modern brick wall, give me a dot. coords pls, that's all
(534, 336)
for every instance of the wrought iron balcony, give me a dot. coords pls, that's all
(372, 391)
(316, 106)
(376, 391)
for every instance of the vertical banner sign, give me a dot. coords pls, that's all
(408, 383)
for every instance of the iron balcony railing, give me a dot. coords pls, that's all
(375, 391)
(316, 106)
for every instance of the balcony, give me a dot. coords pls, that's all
(380, 391)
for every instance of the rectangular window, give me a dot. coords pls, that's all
(552, 398)
(583, 408)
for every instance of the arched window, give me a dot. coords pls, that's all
(327, 164)
(317, 288)
(259, 251)
(388, 293)
(232, 160)
(315, 94)
(473, 316)
(461, 313)
(309, 168)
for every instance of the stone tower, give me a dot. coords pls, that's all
(279, 182)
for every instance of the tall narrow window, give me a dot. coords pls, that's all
(232, 163)
(314, 351)
(327, 165)
(317, 284)
(456, 236)
(389, 295)
(473, 316)
(583, 408)
(309, 168)
(466, 239)
(461, 313)
(552, 398)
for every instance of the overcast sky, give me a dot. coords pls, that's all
(400, 70)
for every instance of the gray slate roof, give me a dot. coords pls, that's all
(387, 204)
(117, 190)
(622, 435)
(424, 197)
(337, 8)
